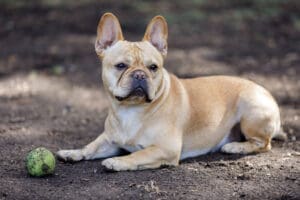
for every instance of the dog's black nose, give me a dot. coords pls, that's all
(139, 74)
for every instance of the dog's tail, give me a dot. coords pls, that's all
(280, 135)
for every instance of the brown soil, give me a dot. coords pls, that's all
(51, 95)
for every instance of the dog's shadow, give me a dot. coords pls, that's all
(214, 157)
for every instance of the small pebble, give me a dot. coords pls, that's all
(296, 153)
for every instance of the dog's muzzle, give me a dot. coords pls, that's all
(139, 86)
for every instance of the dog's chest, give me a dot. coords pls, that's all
(130, 124)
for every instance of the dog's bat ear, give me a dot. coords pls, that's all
(157, 34)
(108, 32)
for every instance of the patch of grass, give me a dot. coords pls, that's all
(296, 22)
(189, 17)
(47, 3)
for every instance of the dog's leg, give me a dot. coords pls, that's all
(246, 147)
(258, 133)
(260, 122)
(99, 148)
(148, 158)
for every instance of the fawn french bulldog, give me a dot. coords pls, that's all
(162, 119)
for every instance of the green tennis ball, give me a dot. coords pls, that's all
(40, 162)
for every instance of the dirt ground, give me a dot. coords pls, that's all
(51, 95)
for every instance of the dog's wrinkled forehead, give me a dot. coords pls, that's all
(132, 53)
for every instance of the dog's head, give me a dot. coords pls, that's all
(132, 71)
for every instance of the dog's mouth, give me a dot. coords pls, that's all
(138, 92)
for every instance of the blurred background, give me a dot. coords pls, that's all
(248, 36)
(51, 93)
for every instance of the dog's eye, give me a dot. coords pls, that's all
(121, 66)
(153, 67)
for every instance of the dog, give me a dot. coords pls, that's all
(162, 119)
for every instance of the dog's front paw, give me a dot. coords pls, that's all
(70, 155)
(116, 164)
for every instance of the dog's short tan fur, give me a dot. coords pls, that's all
(185, 118)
